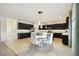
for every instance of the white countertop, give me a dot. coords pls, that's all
(64, 33)
(55, 31)
(23, 31)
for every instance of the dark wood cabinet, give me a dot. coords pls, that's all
(24, 26)
(23, 35)
(67, 22)
(54, 26)
(65, 39)
(59, 26)
(57, 35)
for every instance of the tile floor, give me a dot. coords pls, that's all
(5, 50)
(23, 47)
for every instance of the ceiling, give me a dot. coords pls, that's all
(52, 12)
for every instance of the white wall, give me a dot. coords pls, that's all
(8, 29)
(0, 29)
(3, 29)
(11, 29)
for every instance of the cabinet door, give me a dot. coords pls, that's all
(65, 39)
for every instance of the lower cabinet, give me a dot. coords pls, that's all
(57, 35)
(23, 35)
(65, 39)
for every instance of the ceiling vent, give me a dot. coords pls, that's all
(40, 12)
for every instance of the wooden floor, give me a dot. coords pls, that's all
(23, 47)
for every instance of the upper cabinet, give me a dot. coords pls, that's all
(53, 26)
(60, 26)
(23, 26)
